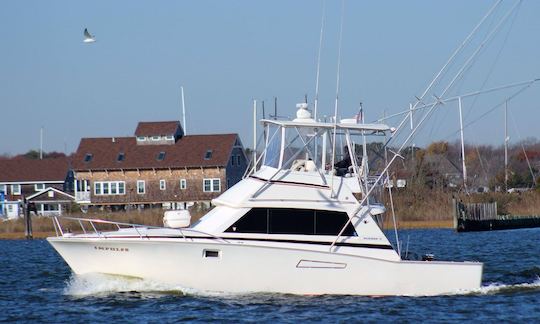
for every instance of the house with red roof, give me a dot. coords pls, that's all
(159, 166)
(22, 178)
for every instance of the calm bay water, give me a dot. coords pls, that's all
(37, 286)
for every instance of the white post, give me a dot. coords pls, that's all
(183, 112)
(505, 147)
(254, 135)
(41, 143)
(75, 189)
(462, 144)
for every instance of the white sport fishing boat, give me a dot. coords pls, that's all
(295, 225)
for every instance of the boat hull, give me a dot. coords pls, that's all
(245, 268)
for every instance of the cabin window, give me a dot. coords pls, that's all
(160, 156)
(140, 187)
(121, 157)
(211, 185)
(16, 189)
(162, 184)
(293, 221)
(39, 186)
(88, 157)
(183, 184)
(208, 155)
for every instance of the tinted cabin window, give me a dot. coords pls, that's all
(254, 221)
(292, 221)
(331, 222)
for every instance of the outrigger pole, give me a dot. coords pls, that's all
(432, 108)
(337, 96)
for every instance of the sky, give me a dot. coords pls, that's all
(227, 53)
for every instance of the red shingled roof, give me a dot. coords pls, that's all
(158, 128)
(188, 151)
(22, 169)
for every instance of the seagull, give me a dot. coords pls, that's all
(87, 37)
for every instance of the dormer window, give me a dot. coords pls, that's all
(156, 138)
(121, 157)
(208, 155)
(141, 138)
(169, 137)
(88, 157)
(160, 156)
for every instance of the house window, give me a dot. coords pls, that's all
(160, 156)
(114, 188)
(238, 160)
(162, 184)
(140, 187)
(3, 188)
(39, 186)
(211, 185)
(102, 188)
(121, 157)
(208, 155)
(170, 137)
(183, 184)
(156, 138)
(16, 189)
(141, 138)
(233, 160)
(97, 188)
(88, 157)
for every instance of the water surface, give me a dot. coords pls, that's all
(37, 286)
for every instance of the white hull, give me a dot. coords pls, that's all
(246, 267)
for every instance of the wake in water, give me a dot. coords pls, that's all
(104, 285)
(95, 284)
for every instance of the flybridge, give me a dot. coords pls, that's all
(344, 124)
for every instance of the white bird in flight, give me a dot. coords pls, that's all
(87, 37)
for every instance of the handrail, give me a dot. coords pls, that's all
(121, 225)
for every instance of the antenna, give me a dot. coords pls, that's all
(183, 112)
(254, 135)
(316, 104)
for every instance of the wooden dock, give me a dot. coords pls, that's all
(469, 217)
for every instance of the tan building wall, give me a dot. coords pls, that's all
(172, 193)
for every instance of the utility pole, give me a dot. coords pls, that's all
(462, 145)
(506, 146)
